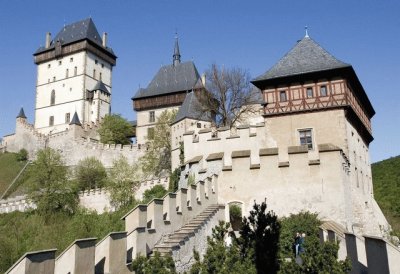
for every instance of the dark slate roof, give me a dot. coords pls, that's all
(100, 86)
(255, 97)
(191, 108)
(81, 30)
(171, 79)
(21, 114)
(75, 120)
(305, 57)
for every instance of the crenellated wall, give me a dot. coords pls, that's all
(145, 226)
(74, 144)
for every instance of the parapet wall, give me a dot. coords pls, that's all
(75, 144)
(145, 226)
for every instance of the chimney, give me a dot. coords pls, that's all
(104, 39)
(203, 79)
(48, 40)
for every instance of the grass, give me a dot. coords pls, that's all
(9, 169)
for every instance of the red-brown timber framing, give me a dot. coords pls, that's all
(74, 47)
(344, 91)
(167, 100)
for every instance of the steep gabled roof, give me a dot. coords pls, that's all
(192, 109)
(305, 57)
(81, 30)
(170, 79)
(100, 86)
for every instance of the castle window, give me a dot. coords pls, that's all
(67, 118)
(54, 79)
(71, 59)
(152, 117)
(94, 74)
(102, 65)
(95, 61)
(306, 138)
(323, 91)
(52, 98)
(310, 93)
(75, 71)
(198, 125)
(150, 133)
(59, 63)
(100, 76)
(282, 96)
(66, 73)
(49, 66)
(51, 121)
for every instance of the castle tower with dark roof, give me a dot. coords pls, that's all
(74, 76)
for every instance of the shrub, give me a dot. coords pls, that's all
(22, 155)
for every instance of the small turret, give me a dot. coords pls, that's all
(21, 114)
(75, 120)
(177, 54)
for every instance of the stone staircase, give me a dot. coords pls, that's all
(179, 238)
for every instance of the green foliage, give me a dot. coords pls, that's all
(115, 130)
(235, 216)
(174, 180)
(123, 183)
(386, 179)
(22, 155)
(90, 173)
(158, 155)
(260, 232)
(303, 222)
(50, 190)
(21, 232)
(157, 191)
(154, 265)
(221, 259)
(181, 153)
(9, 169)
(191, 179)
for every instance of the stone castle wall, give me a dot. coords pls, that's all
(74, 144)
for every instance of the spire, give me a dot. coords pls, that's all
(306, 28)
(21, 113)
(75, 120)
(177, 55)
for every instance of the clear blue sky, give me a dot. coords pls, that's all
(248, 34)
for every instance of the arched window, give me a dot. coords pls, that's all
(75, 71)
(52, 98)
(67, 73)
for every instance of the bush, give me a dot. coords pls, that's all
(235, 216)
(90, 173)
(174, 180)
(22, 155)
(157, 191)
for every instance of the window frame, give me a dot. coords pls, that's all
(306, 139)
(309, 95)
(152, 116)
(51, 121)
(282, 99)
(67, 117)
(323, 87)
(53, 98)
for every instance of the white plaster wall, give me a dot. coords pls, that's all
(65, 262)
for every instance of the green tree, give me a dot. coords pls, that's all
(123, 183)
(235, 216)
(158, 155)
(115, 129)
(50, 189)
(90, 173)
(260, 232)
(222, 259)
(157, 191)
(154, 265)
(174, 180)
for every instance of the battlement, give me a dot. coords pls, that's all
(145, 226)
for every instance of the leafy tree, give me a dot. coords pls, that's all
(50, 189)
(157, 191)
(115, 129)
(260, 232)
(227, 96)
(90, 173)
(123, 183)
(22, 155)
(158, 155)
(154, 265)
(174, 180)
(222, 259)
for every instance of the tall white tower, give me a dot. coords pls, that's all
(73, 75)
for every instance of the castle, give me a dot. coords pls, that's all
(306, 148)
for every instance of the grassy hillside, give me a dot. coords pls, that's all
(386, 178)
(9, 169)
